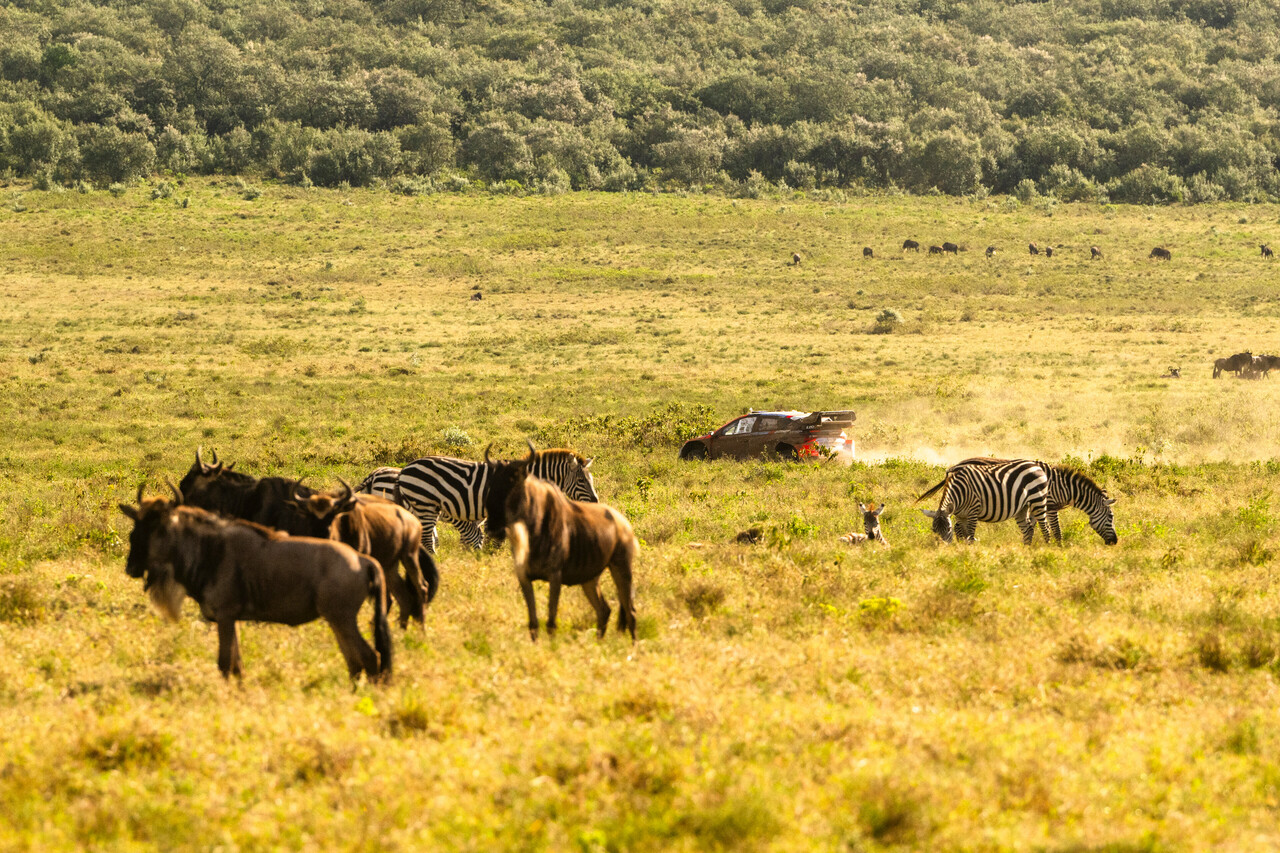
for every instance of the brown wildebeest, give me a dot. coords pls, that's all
(910, 244)
(273, 502)
(1095, 254)
(991, 250)
(795, 259)
(1270, 363)
(384, 530)
(1033, 248)
(1234, 364)
(238, 571)
(870, 523)
(1174, 373)
(1266, 251)
(935, 250)
(1161, 254)
(867, 253)
(568, 543)
(951, 247)
(1048, 251)
(476, 297)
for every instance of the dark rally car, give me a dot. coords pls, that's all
(790, 435)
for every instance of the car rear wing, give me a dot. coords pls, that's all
(832, 419)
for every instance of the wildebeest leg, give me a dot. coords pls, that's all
(228, 649)
(526, 587)
(620, 570)
(553, 603)
(358, 653)
(591, 589)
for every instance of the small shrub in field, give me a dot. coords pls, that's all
(891, 814)
(1121, 653)
(125, 747)
(455, 438)
(313, 760)
(1242, 738)
(164, 189)
(1255, 553)
(118, 189)
(1212, 654)
(702, 598)
(887, 321)
(20, 601)
(878, 611)
(408, 718)
(1091, 591)
(478, 644)
(1258, 649)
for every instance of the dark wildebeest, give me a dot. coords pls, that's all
(1269, 363)
(1048, 251)
(951, 247)
(476, 297)
(568, 543)
(1033, 248)
(871, 524)
(1258, 367)
(910, 244)
(1161, 254)
(272, 502)
(382, 529)
(238, 571)
(867, 253)
(935, 250)
(991, 250)
(795, 258)
(1174, 373)
(1234, 364)
(1266, 251)
(1095, 254)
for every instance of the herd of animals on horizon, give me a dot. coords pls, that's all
(271, 549)
(1159, 253)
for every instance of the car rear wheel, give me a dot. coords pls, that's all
(787, 452)
(694, 451)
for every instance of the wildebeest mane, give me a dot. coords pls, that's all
(502, 477)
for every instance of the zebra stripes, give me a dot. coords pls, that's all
(998, 491)
(1069, 488)
(457, 490)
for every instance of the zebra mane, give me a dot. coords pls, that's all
(560, 453)
(1082, 478)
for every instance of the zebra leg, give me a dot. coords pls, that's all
(471, 532)
(1051, 516)
(1024, 525)
(427, 515)
(966, 528)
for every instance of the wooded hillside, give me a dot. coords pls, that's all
(1131, 100)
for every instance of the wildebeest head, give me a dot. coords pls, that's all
(206, 481)
(151, 551)
(941, 524)
(325, 506)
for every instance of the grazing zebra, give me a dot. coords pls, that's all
(1068, 488)
(460, 492)
(1016, 489)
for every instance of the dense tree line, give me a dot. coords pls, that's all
(1132, 100)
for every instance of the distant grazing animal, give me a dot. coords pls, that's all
(1174, 373)
(274, 502)
(466, 493)
(382, 529)
(1270, 363)
(476, 297)
(991, 250)
(867, 253)
(951, 247)
(1095, 254)
(1234, 364)
(568, 543)
(935, 250)
(1016, 489)
(870, 523)
(1048, 251)
(750, 536)
(1259, 366)
(1266, 251)
(1067, 488)
(1033, 248)
(238, 571)
(1161, 254)
(910, 244)
(795, 258)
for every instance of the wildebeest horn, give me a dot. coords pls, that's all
(215, 457)
(140, 488)
(200, 462)
(486, 453)
(298, 498)
(532, 449)
(177, 495)
(350, 495)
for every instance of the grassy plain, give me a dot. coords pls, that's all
(793, 695)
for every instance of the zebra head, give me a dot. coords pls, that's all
(579, 485)
(941, 524)
(1103, 521)
(566, 469)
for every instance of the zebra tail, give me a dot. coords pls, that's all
(430, 573)
(931, 491)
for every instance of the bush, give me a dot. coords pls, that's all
(887, 321)
(1148, 185)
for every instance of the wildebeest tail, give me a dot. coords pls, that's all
(430, 573)
(931, 491)
(381, 628)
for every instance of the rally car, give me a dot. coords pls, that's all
(787, 435)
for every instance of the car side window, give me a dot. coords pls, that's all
(767, 425)
(729, 428)
(745, 425)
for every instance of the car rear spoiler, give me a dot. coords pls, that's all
(840, 418)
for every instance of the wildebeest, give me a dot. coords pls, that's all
(795, 258)
(1234, 364)
(871, 524)
(910, 244)
(272, 502)
(382, 529)
(476, 297)
(951, 247)
(935, 250)
(1048, 251)
(238, 571)
(867, 253)
(991, 250)
(1033, 248)
(1266, 251)
(568, 543)
(1161, 254)
(1174, 373)
(1095, 254)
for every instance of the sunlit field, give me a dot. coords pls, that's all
(794, 694)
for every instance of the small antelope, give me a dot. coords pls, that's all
(795, 259)
(871, 522)
(1095, 254)
(1266, 251)
(1033, 248)
(1048, 251)
(991, 250)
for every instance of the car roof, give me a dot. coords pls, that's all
(779, 414)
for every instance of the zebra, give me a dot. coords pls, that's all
(1016, 489)
(870, 523)
(461, 492)
(1070, 488)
